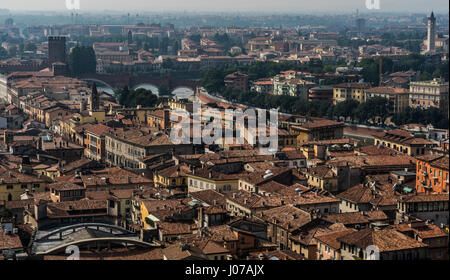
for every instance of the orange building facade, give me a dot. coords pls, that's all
(432, 174)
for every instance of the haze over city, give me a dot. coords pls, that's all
(322, 6)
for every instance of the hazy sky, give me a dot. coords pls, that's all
(231, 5)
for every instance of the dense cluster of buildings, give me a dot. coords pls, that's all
(76, 168)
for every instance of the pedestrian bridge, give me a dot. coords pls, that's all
(86, 235)
(63, 231)
(97, 242)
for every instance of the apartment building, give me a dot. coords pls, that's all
(237, 80)
(398, 97)
(348, 91)
(432, 174)
(429, 94)
(124, 147)
(403, 141)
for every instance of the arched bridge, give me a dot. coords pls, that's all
(97, 241)
(126, 79)
(107, 228)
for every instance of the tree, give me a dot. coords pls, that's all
(213, 80)
(372, 108)
(371, 70)
(175, 48)
(82, 60)
(423, 116)
(122, 95)
(29, 47)
(12, 52)
(346, 108)
(164, 91)
(132, 98)
(3, 53)
(425, 76)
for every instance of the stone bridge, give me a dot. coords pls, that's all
(126, 79)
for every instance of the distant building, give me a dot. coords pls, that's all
(347, 91)
(321, 93)
(291, 83)
(360, 26)
(429, 94)
(398, 97)
(431, 33)
(404, 142)
(237, 80)
(56, 49)
(432, 174)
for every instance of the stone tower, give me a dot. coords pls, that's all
(94, 99)
(431, 44)
(130, 37)
(56, 49)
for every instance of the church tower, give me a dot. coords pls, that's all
(431, 44)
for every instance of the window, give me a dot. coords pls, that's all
(9, 187)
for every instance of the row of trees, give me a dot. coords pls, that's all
(213, 78)
(415, 62)
(358, 112)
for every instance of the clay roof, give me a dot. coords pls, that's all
(436, 160)
(9, 241)
(331, 239)
(287, 217)
(321, 171)
(65, 186)
(209, 197)
(424, 198)
(175, 228)
(386, 240)
(387, 90)
(350, 218)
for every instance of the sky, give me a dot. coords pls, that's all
(302, 6)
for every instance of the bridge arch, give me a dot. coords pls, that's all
(109, 240)
(183, 91)
(99, 226)
(98, 82)
(150, 86)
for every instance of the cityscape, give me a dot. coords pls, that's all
(284, 131)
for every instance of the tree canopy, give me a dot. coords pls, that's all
(132, 98)
(82, 60)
